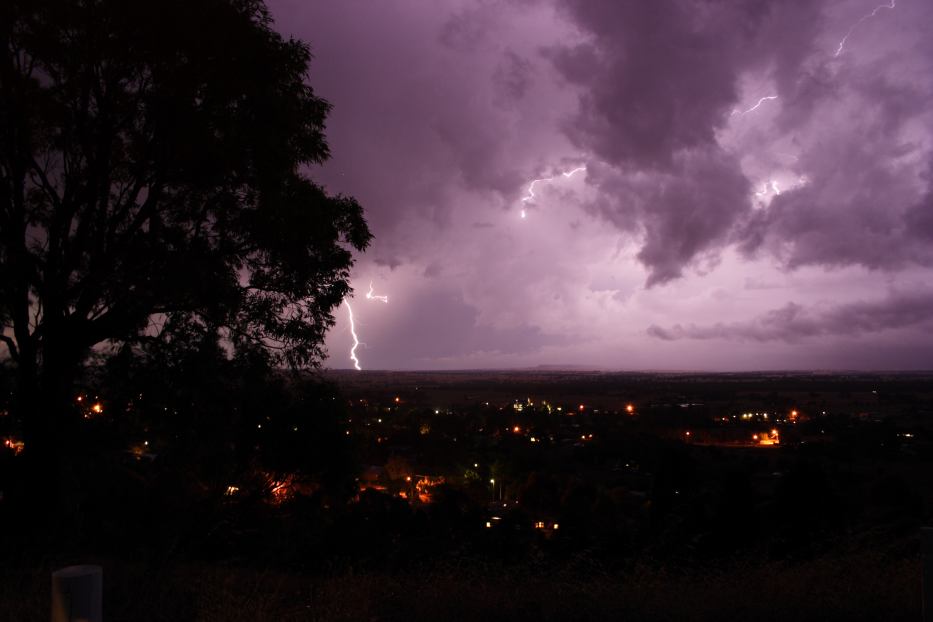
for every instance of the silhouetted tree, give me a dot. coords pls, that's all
(153, 162)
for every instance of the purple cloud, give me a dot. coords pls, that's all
(434, 325)
(733, 162)
(861, 203)
(656, 77)
(793, 322)
(658, 80)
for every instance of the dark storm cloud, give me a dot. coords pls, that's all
(789, 35)
(859, 205)
(793, 322)
(512, 79)
(684, 211)
(658, 79)
(919, 218)
(662, 76)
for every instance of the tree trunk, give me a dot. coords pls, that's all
(44, 401)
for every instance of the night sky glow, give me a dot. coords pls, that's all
(757, 192)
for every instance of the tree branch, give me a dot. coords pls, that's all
(45, 184)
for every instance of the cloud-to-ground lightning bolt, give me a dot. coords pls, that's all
(356, 340)
(530, 195)
(755, 107)
(842, 43)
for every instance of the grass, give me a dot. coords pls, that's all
(851, 588)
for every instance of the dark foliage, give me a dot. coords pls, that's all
(153, 187)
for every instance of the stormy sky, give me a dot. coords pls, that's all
(757, 192)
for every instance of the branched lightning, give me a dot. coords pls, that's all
(356, 340)
(842, 43)
(771, 186)
(530, 194)
(755, 107)
(371, 296)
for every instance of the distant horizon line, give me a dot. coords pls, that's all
(606, 370)
(610, 370)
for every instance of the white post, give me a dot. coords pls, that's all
(77, 594)
(926, 548)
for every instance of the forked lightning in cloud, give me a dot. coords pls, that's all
(771, 186)
(371, 296)
(842, 43)
(530, 195)
(755, 107)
